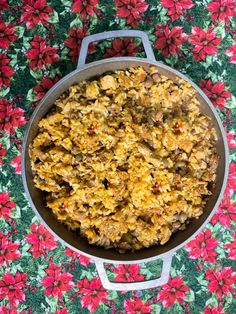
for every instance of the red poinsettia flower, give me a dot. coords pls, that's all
(57, 282)
(41, 240)
(225, 214)
(231, 52)
(216, 92)
(41, 54)
(10, 118)
(8, 310)
(83, 260)
(7, 34)
(122, 47)
(74, 42)
(35, 11)
(128, 273)
(92, 292)
(231, 139)
(220, 282)
(131, 10)
(5, 70)
(85, 7)
(176, 8)
(173, 291)
(136, 305)
(11, 287)
(2, 153)
(16, 163)
(214, 310)
(203, 246)
(169, 40)
(6, 205)
(205, 42)
(222, 10)
(232, 176)
(41, 89)
(3, 5)
(231, 248)
(8, 250)
(62, 311)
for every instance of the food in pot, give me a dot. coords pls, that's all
(126, 159)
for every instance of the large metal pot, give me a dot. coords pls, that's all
(36, 197)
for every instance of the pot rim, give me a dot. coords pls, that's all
(149, 62)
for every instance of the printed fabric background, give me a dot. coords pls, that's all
(39, 43)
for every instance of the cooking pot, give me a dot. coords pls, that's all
(37, 198)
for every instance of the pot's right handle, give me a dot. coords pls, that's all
(114, 34)
(128, 286)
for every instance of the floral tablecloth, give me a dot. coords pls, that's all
(39, 43)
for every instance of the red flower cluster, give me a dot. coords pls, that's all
(220, 282)
(5, 70)
(6, 310)
(203, 246)
(169, 40)
(205, 42)
(232, 176)
(231, 248)
(11, 287)
(135, 305)
(41, 54)
(222, 10)
(6, 205)
(214, 310)
(216, 92)
(93, 293)
(83, 260)
(231, 52)
(231, 139)
(7, 34)
(85, 7)
(16, 163)
(3, 5)
(41, 240)
(56, 282)
(225, 214)
(9, 250)
(121, 47)
(74, 42)
(2, 153)
(35, 11)
(176, 8)
(128, 273)
(10, 118)
(62, 311)
(173, 291)
(131, 10)
(46, 83)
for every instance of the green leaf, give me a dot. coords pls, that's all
(20, 31)
(212, 301)
(231, 104)
(86, 274)
(54, 18)
(156, 308)
(37, 74)
(190, 297)
(112, 295)
(76, 22)
(4, 91)
(52, 303)
(31, 96)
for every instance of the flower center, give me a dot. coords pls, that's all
(224, 211)
(11, 287)
(129, 7)
(168, 41)
(7, 119)
(36, 11)
(40, 55)
(85, 3)
(222, 9)
(2, 252)
(56, 283)
(1, 35)
(172, 290)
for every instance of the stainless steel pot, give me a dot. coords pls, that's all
(36, 197)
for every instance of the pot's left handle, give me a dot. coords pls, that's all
(128, 286)
(114, 34)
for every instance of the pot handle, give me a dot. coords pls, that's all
(128, 286)
(114, 34)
